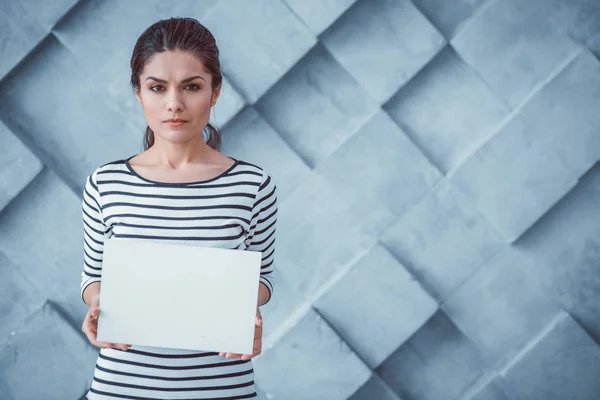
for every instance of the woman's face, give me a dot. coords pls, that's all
(174, 84)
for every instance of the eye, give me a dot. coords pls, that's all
(196, 87)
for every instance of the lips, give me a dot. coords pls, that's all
(174, 124)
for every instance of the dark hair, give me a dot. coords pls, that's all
(184, 34)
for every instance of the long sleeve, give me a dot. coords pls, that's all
(261, 235)
(94, 230)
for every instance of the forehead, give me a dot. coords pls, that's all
(174, 64)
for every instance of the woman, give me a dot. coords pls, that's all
(180, 189)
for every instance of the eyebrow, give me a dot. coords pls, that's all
(191, 78)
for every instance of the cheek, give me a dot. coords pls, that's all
(203, 99)
(153, 104)
(200, 104)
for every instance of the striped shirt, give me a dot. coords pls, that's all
(235, 210)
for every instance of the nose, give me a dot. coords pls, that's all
(174, 102)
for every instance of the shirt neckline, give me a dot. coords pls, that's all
(126, 161)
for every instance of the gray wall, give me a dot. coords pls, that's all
(436, 160)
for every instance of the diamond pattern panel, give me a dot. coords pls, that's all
(383, 43)
(375, 332)
(316, 106)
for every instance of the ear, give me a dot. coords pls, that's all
(215, 96)
(137, 94)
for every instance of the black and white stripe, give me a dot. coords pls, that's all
(235, 210)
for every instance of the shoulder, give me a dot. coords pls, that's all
(107, 167)
(111, 165)
(94, 176)
(263, 176)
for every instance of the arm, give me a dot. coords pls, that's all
(94, 230)
(91, 294)
(263, 294)
(261, 234)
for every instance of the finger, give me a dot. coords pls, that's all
(89, 335)
(93, 329)
(90, 324)
(103, 345)
(90, 331)
(255, 352)
(91, 319)
(119, 346)
(93, 335)
(90, 327)
(113, 346)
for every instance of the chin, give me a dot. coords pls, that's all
(176, 135)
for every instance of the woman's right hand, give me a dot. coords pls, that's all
(90, 328)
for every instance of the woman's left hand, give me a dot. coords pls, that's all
(257, 340)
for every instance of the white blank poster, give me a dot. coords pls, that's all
(178, 296)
